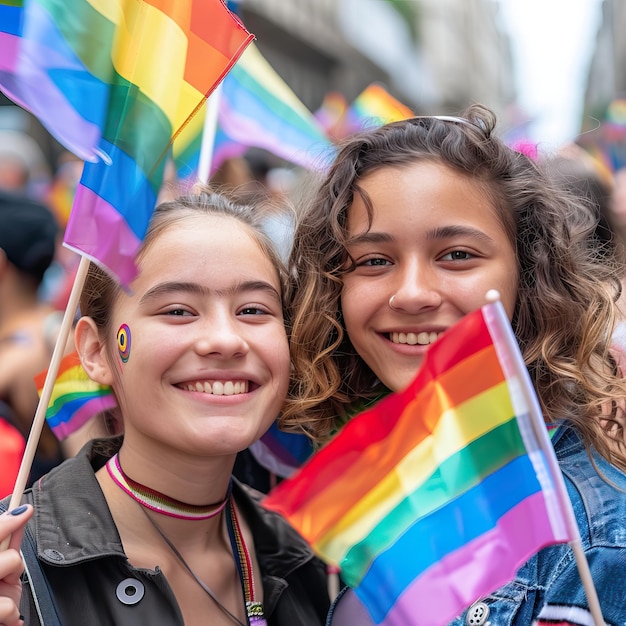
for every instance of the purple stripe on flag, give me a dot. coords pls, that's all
(23, 75)
(83, 415)
(241, 128)
(102, 234)
(491, 560)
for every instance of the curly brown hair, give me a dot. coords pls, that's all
(565, 311)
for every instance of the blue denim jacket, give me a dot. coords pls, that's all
(547, 588)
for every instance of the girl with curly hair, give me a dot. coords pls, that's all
(409, 229)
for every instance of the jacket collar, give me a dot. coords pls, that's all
(73, 522)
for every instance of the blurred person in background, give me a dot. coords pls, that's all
(12, 445)
(605, 197)
(23, 167)
(28, 326)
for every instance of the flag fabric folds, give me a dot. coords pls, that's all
(257, 108)
(114, 80)
(75, 397)
(435, 496)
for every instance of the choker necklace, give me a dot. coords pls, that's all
(254, 608)
(159, 502)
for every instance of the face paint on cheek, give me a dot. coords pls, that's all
(123, 342)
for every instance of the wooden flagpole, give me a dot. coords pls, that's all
(40, 414)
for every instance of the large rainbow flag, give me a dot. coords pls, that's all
(75, 397)
(114, 81)
(438, 494)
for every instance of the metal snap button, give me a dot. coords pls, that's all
(477, 615)
(130, 591)
(54, 555)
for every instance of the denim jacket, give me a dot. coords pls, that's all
(547, 588)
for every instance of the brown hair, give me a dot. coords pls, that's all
(564, 315)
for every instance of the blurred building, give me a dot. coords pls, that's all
(436, 56)
(607, 71)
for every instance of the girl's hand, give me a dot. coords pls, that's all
(11, 564)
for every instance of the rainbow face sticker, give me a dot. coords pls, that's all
(123, 342)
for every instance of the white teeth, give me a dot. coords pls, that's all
(423, 339)
(219, 388)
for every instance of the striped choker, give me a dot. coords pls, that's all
(159, 502)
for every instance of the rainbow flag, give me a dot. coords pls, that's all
(435, 496)
(374, 107)
(331, 114)
(114, 80)
(75, 397)
(257, 108)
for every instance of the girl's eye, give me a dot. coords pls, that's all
(456, 255)
(177, 312)
(252, 310)
(375, 262)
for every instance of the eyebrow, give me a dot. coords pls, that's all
(441, 232)
(369, 237)
(448, 232)
(195, 288)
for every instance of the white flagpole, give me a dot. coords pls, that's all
(541, 433)
(208, 135)
(40, 414)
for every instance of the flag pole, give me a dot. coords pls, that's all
(208, 135)
(40, 414)
(541, 432)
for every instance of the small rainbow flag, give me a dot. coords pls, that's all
(331, 114)
(374, 107)
(282, 453)
(435, 497)
(75, 397)
(114, 81)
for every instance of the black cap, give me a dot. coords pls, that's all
(28, 232)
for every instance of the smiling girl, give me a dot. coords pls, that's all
(414, 223)
(151, 528)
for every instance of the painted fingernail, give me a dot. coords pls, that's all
(19, 510)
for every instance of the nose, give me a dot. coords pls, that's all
(219, 335)
(416, 288)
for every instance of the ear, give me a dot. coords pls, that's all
(92, 351)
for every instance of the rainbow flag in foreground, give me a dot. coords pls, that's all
(75, 397)
(114, 81)
(435, 497)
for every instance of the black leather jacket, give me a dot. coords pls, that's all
(93, 583)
